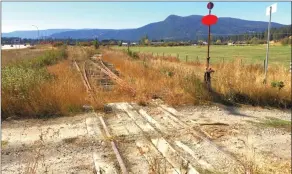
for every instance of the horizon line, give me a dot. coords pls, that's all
(130, 28)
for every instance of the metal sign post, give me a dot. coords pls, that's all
(271, 9)
(209, 20)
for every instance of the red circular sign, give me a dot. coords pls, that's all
(209, 20)
(210, 5)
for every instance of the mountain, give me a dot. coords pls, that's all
(172, 28)
(34, 33)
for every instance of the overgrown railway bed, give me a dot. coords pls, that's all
(152, 139)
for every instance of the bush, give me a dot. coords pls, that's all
(49, 58)
(57, 44)
(19, 79)
(133, 54)
(286, 41)
(22, 79)
(278, 85)
(194, 86)
(254, 41)
(95, 44)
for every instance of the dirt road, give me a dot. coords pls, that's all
(152, 139)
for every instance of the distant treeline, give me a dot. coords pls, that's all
(276, 34)
(282, 34)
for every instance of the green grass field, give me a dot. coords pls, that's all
(248, 54)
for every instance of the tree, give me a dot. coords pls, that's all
(96, 44)
(218, 42)
(200, 42)
(254, 40)
(144, 40)
(286, 41)
(120, 43)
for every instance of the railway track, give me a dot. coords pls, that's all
(151, 142)
(104, 74)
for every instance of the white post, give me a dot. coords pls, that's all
(268, 46)
(269, 10)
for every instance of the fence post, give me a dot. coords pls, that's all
(290, 66)
(264, 64)
(186, 58)
(223, 60)
(177, 56)
(163, 54)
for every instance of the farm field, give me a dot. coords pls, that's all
(248, 54)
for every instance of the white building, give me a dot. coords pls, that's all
(231, 43)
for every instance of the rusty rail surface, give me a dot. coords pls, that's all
(114, 146)
(113, 76)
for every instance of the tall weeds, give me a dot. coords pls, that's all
(150, 81)
(244, 84)
(180, 83)
(43, 86)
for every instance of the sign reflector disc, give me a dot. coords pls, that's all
(210, 5)
(209, 20)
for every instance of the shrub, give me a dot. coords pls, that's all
(254, 41)
(133, 54)
(49, 58)
(194, 86)
(21, 82)
(57, 44)
(95, 44)
(286, 41)
(278, 85)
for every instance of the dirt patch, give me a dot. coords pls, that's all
(215, 132)
(150, 139)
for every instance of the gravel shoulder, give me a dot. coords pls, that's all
(217, 139)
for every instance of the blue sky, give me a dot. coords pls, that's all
(118, 15)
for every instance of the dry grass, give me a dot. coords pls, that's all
(59, 96)
(58, 89)
(255, 162)
(149, 81)
(9, 57)
(244, 84)
(181, 83)
(79, 53)
(61, 93)
(32, 166)
(66, 92)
